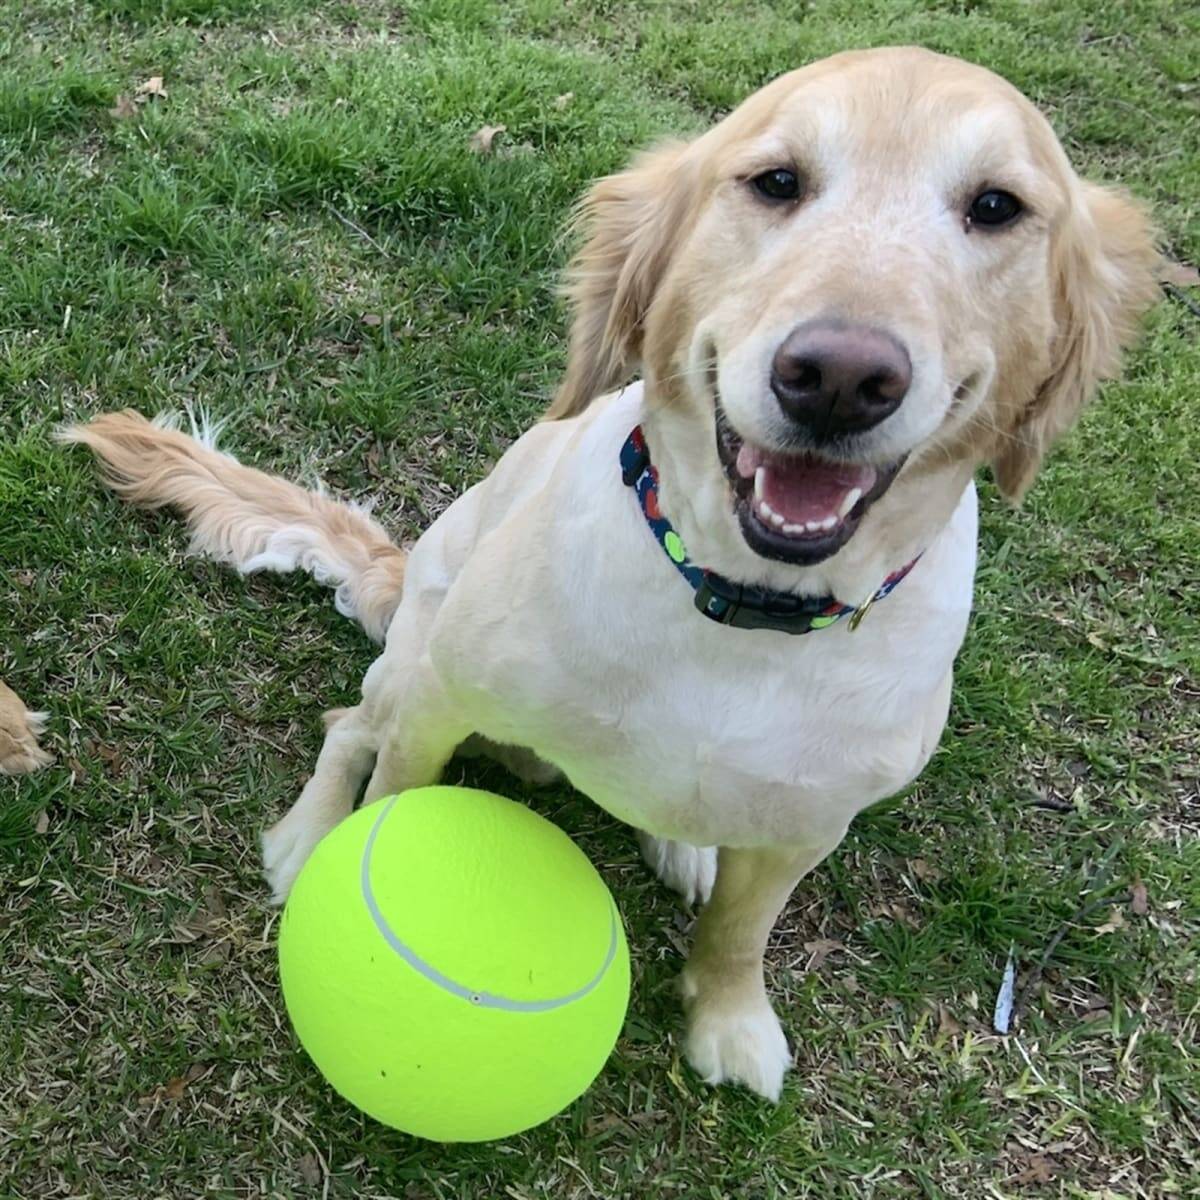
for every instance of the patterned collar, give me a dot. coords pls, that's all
(717, 598)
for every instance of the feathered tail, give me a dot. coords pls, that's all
(244, 517)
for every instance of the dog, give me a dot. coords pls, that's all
(725, 600)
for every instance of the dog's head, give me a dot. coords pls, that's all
(876, 264)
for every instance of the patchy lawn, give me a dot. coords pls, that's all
(294, 233)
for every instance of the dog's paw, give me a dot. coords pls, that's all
(689, 870)
(737, 1044)
(285, 849)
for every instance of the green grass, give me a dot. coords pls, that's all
(202, 251)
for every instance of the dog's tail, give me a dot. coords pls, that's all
(244, 517)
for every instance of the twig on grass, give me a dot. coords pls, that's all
(354, 227)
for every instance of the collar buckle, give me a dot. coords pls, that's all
(744, 607)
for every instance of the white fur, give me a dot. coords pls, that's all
(689, 870)
(539, 611)
(743, 1044)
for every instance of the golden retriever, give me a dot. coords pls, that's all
(877, 274)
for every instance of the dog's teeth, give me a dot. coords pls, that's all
(760, 476)
(812, 526)
(793, 529)
(765, 510)
(777, 520)
(853, 496)
(829, 522)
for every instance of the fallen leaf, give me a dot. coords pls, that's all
(1139, 902)
(482, 139)
(923, 871)
(173, 1089)
(372, 319)
(112, 756)
(1180, 274)
(603, 1123)
(947, 1024)
(1039, 1169)
(123, 108)
(561, 102)
(214, 901)
(1115, 921)
(42, 823)
(310, 1169)
(152, 89)
(820, 950)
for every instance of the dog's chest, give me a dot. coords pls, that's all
(715, 735)
(565, 629)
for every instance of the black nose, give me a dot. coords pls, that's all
(835, 377)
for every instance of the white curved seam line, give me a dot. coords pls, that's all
(479, 998)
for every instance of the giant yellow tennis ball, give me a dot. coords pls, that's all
(453, 964)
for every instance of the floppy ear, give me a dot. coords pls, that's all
(630, 223)
(1105, 265)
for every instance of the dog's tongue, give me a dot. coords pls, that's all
(802, 489)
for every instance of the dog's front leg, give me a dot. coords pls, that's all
(733, 1034)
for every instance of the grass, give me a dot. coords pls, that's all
(298, 238)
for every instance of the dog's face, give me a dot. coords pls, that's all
(875, 263)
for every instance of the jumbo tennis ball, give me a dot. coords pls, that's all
(453, 964)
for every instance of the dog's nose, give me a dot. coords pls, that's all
(835, 377)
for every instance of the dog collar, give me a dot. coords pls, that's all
(718, 598)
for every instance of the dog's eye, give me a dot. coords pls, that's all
(777, 184)
(994, 208)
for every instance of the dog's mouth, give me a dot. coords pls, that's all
(797, 508)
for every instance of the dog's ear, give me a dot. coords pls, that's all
(630, 224)
(1105, 267)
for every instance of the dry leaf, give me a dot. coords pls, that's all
(947, 1023)
(1115, 921)
(214, 902)
(174, 1088)
(152, 89)
(1180, 274)
(603, 1123)
(123, 108)
(310, 1170)
(820, 950)
(482, 139)
(923, 871)
(561, 102)
(1139, 902)
(42, 823)
(372, 319)
(111, 755)
(1040, 1169)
